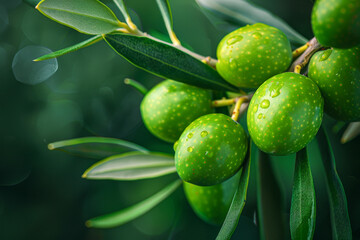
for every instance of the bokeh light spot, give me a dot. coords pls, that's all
(29, 72)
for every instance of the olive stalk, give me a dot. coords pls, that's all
(297, 52)
(230, 101)
(304, 58)
(138, 86)
(223, 102)
(135, 31)
(239, 109)
(297, 69)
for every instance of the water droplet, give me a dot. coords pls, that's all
(265, 103)
(190, 149)
(256, 35)
(325, 55)
(29, 72)
(190, 135)
(204, 133)
(275, 89)
(256, 108)
(260, 116)
(234, 39)
(175, 145)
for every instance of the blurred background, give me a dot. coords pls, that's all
(42, 194)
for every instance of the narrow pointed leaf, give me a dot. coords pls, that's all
(234, 14)
(132, 166)
(166, 13)
(237, 204)
(85, 16)
(351, 132)
(120, 4)
(269, 200)
(303, 202)
(73, 48)
(96, 147)
(340, 221)
(165, 10)
(126, 215)
(166, 61)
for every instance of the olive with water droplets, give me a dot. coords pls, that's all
(210, 150)
(169, 107)
(250, 55)
(285, 113)
(211, 203)
(337, 73)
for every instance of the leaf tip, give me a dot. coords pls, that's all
(37, 6)
(88, 224)
(84, 175)
(51, 146)
(343, 140)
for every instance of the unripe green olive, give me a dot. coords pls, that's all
(337, 73)
(169, 107)
(252, 54)
(285, 113)
(211, 203)
(210, 150)
(336, 23)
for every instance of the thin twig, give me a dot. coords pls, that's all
(304, 58)
(207, 60)
(241, 106)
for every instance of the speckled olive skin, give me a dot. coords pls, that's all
(285, 113)
(337, 73)
(250, 55)
(210, 150)
(336, 23)
(169, 107)
(211, 203)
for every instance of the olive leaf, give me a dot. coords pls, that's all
(165, 10)
(128, 214)
(132, 166)
(166, 61)
(120, 4)
(237, 205)
(70, 49)
(233, 14)
(85, 16)
(269, 200)
(303, 201)
(95, 147)
(340, 221)
(351, 132)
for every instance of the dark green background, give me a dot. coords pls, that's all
(42, 195)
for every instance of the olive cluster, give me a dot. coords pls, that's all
(284, 114)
